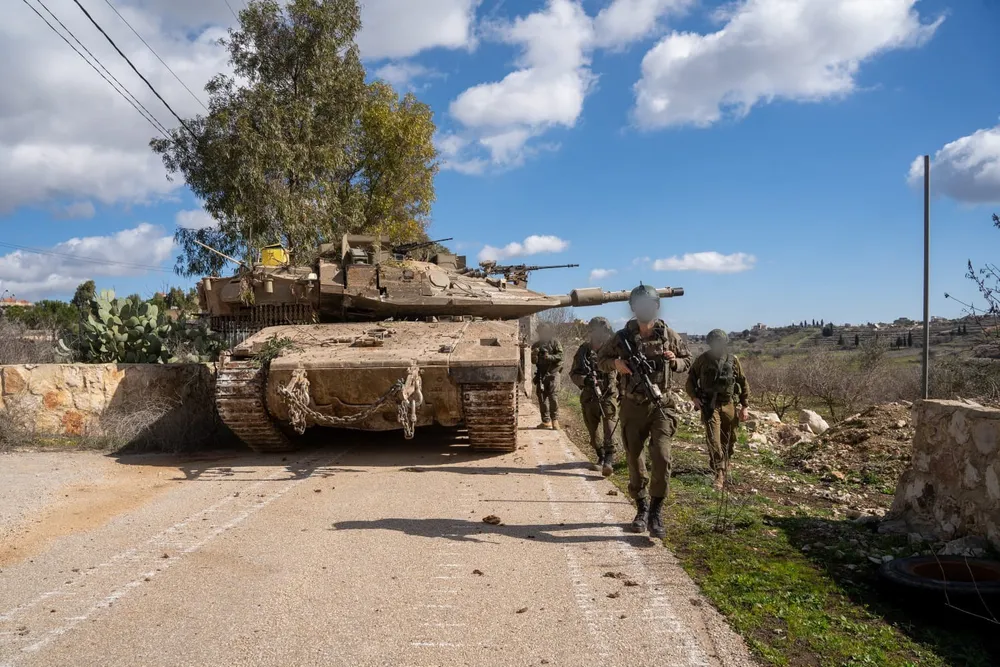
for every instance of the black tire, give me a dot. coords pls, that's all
(955, 576)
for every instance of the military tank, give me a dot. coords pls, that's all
(370, 338)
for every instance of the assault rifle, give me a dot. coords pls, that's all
(642, 368)
(591, 380)
(403, 249)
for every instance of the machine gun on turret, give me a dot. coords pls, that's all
(401, 250)
(517, 273)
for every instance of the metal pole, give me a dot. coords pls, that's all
(925, 365)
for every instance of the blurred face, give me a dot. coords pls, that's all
(545, 333)
(645, 310)
(598, 337)
(717, 348)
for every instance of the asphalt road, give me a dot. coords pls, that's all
(370, 551)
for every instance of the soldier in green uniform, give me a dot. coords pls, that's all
(599, 395)
(547, 356)
(643, 418)
(717, 384)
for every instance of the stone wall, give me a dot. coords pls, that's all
(952, 488)
(163, 405)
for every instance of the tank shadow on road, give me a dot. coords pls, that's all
(433, 450)
(461, 530)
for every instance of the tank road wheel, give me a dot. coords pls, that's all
(491, 416)
(239, 399)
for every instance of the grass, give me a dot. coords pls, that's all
(795, 582)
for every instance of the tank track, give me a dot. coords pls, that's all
(491, 416)
(239, 399)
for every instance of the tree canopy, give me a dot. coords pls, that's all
(297, 148)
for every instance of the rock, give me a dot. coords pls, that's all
(970, 547)
(816, 424)
(896, 527)
(759, 439)
(492, 519)
(899, 423)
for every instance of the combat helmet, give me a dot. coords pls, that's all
(643, 292)
(600, 324)
(717, 336)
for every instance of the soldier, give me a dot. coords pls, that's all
(547, 356)
(599, 395)
(643, 418)
(716, 382)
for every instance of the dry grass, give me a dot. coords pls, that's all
(16, 347)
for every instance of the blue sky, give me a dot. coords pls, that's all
(775, 138)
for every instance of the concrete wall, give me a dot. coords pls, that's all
(167, 405)
(952, 488)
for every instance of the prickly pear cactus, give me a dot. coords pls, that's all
(134, 332)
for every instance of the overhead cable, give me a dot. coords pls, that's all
(196, 98)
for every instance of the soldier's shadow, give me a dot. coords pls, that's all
(463, 530)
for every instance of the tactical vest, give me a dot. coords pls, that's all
(718, 377)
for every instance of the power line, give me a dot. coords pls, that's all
(101, 65)
(231, 10)
(196, 98)
(83, 258)
(149, 119)
(134, 69)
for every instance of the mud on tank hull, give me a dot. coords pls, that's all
(469, 372)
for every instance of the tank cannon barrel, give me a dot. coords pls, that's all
(595, 296)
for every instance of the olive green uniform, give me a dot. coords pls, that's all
(547, 356)
(641, 419)
(719, 414)
(598, 413)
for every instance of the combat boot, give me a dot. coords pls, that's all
(656, 520)
(600, 458)
(545, 425)
(555, 424)
(608, 462)
(638, 524)
(720, 480)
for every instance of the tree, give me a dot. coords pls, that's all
(857, 340)
(840, 340)
(774, 384)
(85, 291)
(909, 339)
(827, 330)
(297, 149)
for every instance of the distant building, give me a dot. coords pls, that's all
(7, 302)
(760, 326)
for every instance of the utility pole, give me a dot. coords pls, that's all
(926, 357)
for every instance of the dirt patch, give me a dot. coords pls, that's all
(871, 448)
(112, 489)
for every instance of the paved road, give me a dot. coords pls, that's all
(374, 554)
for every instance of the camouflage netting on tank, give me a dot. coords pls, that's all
(408, 393)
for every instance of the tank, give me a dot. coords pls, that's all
(370, 338)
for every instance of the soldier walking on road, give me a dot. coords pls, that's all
(599, 395)
(647, 339)
(716, 383)
(547, 356)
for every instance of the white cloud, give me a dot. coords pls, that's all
(798, 50)
(502, 118)
(197, 218)
(625, 21)
(394, 29)
(129, 252)
(533, 245)
(709, 262)
(967, 169)
(404, 74)
(547, 91)
(641, 261)
(601, 274)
